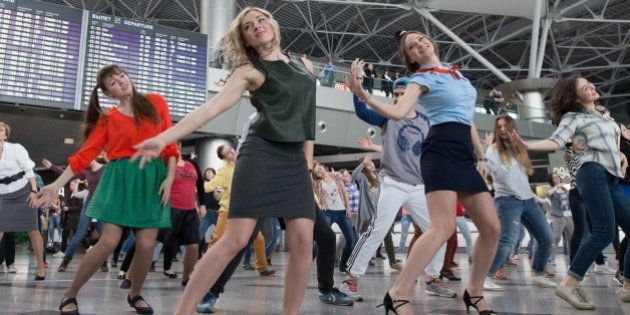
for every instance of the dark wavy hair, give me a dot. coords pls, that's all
(564, 98)
(140, 104)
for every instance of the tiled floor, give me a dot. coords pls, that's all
(248, 293)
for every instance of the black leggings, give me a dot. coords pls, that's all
(7, 248)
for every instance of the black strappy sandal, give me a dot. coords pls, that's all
(388, 303)
(469, 303)
(66, 303)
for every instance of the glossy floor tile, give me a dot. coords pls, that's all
(249, 293)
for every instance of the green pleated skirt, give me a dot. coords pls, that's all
(128, 196)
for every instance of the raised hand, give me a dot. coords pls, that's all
(148, 150)
(46, 163)
(365, 143)
(354, 82)
(367, 159)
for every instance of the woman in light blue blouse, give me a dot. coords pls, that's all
(447, 165)
(575, 109)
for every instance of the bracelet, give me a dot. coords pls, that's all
(482, 160)
(33, 191)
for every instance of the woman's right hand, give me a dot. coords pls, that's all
(44, 198)
(148, 150)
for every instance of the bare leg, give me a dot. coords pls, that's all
(441, 206)
(481, 208)
(38, 247)
(300, 242)
(192, 252)
(93, 260)
(145, 242)
(237, 234)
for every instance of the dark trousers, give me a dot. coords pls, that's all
(123, 238)
(325, 239)
(623, 247)
(323, 236)
(7, 248)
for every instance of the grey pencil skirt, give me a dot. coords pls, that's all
(15, 213)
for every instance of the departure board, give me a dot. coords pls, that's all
(39, 53)
(158, 59)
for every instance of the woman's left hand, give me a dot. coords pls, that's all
(165, 190)
(482, 168)
(356, 74)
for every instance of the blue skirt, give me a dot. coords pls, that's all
(448, 161)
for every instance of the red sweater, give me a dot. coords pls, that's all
(117, 133)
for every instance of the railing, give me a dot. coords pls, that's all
(336, 78)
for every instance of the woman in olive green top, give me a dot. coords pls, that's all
(271, 178)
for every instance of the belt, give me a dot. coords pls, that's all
(10, 179)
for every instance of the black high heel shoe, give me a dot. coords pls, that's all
(388, 303)
(469, 303)
(66, 303)
(40, 278)
(139, 309)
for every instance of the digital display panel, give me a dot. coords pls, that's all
(158, 59)
(39, 53)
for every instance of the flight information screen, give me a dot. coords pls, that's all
(39, 53)
(158, 59)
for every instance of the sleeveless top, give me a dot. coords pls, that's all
(285, 102)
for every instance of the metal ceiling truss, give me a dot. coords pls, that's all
(586, 36)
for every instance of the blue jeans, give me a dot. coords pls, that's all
(604, 202)
(207, 221)
(581, 223)
(339, 217)
(54, 222)
(511, 213)
(271, 245)
(82, 228)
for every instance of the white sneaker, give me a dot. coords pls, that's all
(350, 289)
(488, 285)
(59, 254)
(11, 269)
(604, 269)
(541, 281)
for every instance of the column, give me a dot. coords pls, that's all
(216, 16)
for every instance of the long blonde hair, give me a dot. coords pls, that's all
(233, 44)
(520, 151)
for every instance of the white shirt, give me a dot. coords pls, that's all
(509, 180)
(14, 160)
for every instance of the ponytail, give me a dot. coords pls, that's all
(92, 113)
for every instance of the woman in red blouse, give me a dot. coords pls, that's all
(126, 196)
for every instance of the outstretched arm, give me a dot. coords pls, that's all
(397, 111)
(236, 85)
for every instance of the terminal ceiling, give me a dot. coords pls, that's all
(587, 37)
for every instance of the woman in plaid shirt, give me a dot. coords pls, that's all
(575, 109)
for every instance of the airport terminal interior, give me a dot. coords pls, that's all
(546, 86)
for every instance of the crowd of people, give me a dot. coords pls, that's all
(130, 184)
